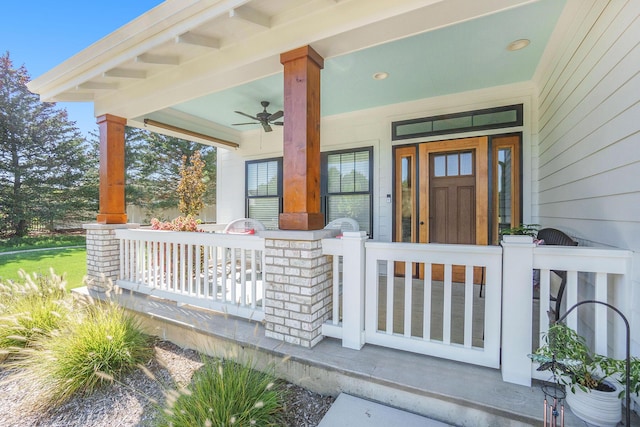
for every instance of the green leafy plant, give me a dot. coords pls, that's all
(522, 230)
(98, 345)
(566, 354)
(226, 393)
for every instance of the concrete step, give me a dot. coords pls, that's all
(351, 411)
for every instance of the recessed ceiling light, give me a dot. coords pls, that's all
(518, 44)
(380, 76)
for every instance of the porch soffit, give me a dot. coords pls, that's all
(178, 51)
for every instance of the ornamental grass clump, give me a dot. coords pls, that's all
(100, 344)
(225, 393)
(31, 310)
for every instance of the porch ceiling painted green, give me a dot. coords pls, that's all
(471, 55)
(192, 64)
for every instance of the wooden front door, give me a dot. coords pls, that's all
(452, 201)
(454, 188)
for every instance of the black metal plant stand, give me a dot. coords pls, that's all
(628, 358)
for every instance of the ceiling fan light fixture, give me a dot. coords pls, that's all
(518, 44)
(381, 75)
(263, 118)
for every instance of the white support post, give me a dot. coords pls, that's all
(353, 269)
(517, 309)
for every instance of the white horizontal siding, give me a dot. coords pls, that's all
(588, 160)
(588, 152)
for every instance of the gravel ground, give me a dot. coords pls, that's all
(130, 403)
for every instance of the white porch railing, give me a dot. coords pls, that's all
(221, 272)
(391, 294)
(601, 274)
(410, 310)
(592, 273)
(370, 308)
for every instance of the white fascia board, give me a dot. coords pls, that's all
(162, 23)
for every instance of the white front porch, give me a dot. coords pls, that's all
(303, 286)
(414, 345)
(460, 393)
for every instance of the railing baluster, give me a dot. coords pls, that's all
(254, 276)
(190, 270)
(225, 274)
(544, 298)
(205, 273)
(217, 263)
(408, 288)
(468, 305)
(390, 286)
(243, 279)
(446, 306)
(198, 270)
(572, 298)
(601, 324)
(336, 290)
(426, 317)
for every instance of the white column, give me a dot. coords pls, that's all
(517, 309)
(353, 289)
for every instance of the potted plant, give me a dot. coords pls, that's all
(521, 230)
(593, 382)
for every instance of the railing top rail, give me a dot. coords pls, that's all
(194, 238)
(435, 253)
(585, 259)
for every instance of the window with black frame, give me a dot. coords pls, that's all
(347, 186)
(264, 191)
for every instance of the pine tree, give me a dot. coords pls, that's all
(45, 164)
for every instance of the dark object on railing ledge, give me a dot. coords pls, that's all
(553, 237)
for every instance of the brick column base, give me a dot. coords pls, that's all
(103, 251)
(298, 291)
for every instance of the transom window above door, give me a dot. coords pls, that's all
(453, 164)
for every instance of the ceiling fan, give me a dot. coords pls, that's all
(264, 118)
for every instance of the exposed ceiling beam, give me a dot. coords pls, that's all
(98, 86)
(74, 97)
(123, 73)
(147, 58)
(190, 133)
(198, 40)
(249, 14)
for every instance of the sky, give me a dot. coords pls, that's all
(41, 34)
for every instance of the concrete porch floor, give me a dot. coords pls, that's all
(452, 392)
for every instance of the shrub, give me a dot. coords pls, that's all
(181, 223)
(98, 346)
(226, 393)
(31, 310)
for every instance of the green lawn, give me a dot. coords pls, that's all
(72, 262)
(41, 241)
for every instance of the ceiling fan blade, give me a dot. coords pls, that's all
(247, 115)
(276, 115)
(278, 123)
(238, 124)
(266, 127)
